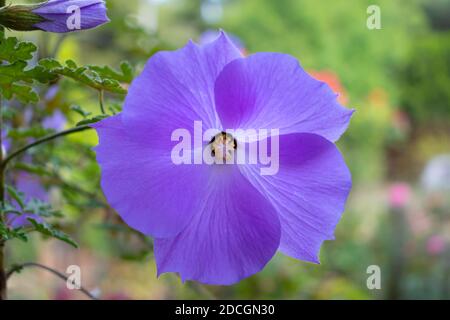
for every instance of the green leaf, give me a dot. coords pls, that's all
(40, 74)
(12, 50)
(50, 64)
(40, 208)
(16, 195)
(30, 168)
(9, 208)
(17, 78)
(35, 132)
(15, 81)
(126, 75)
(115, 107)
(94, 77)
(24, 93)
(91, 120)
(18, 233)
(12, 233)
(49, 231)
(80, 111)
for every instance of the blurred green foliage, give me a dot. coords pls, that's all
(425, 79)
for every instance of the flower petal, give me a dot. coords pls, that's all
(58, 13)
(272, 91)
(233, 236)
(309, 192)
(177, 88)
(150, 193)
(61, 6)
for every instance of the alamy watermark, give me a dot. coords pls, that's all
(374, 19)
(73, 22)
(74, 277)
(374, 280)
(228, 147)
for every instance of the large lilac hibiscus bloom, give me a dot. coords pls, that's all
(218, 224)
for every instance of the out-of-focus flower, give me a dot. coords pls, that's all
(58, 16)
(435, 245)
(220, 223)
(379, 98)
(333, 81)
(401, 122)
(32, 187)
(399, 195)
(63, 294)
(419, 222)
(52, 92)
(56, 121)
(436, 175)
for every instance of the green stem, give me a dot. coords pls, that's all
(18, 152)
(19, 268)
(3, 288)
(101, 101)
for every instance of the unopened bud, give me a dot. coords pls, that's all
(55, 16)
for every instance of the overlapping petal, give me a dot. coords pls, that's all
(272, 91)
(177, 88)
(309, 192)
(233, 236)
(151, 194)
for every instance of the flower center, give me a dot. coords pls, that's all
(223, 146)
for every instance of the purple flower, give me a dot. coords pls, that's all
(218, 224)
(56, 121)
(32, 187)
(71, 15)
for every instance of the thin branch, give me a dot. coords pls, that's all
(16, 153)
(18, 268)
(101, 98)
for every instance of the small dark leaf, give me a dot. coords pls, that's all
(40, 208)
(37, 170)
(9, 233)
(91, 120)
(80, 111)
(33, 132)
(16, 195)
(47, 230)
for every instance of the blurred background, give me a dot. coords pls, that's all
(397, 147)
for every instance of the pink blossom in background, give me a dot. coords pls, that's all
(399, 195)
(435, 245)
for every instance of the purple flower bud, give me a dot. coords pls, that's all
(71, 15)
(58, 16)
